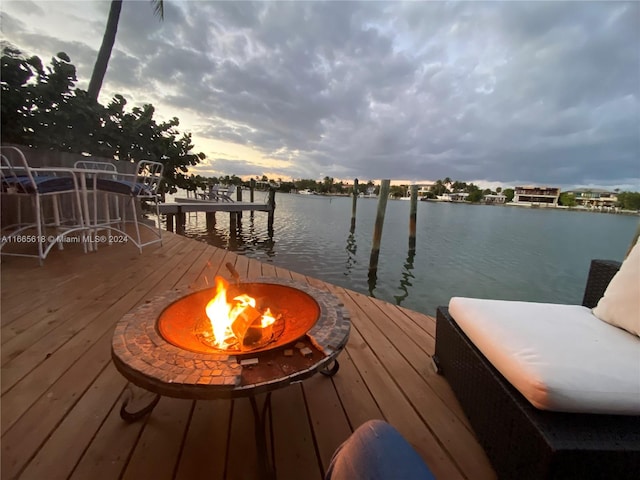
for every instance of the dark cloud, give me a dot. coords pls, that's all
(512, 92)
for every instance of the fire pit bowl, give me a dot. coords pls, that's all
(183, 322)
(159, 345)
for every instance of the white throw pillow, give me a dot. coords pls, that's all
(620, 304)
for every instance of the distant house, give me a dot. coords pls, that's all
(425, 189)
(370, 193)
(494, 198)
(532, 195)
(594, 197)
(453, 197)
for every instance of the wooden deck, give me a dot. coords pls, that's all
(61, 394)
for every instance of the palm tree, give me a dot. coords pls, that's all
(109, 38)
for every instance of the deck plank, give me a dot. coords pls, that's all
(109, 450)
(156, 453)
(408, 343)
(356, 399)
(65, 320)
(328, 419)
(290, 421)
(65, 447)
(397, 409)
(435, 413)
(19, 398)
(54, 296)
(242, 459)
(27, 433)
(205, 447)
(60, 412)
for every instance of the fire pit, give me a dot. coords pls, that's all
(168, 346)
(230, 341)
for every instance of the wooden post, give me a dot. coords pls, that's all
(211, 220)
(272, 210)
(252, 187)
(377, 229)
(239, 199)
(353, 206)
(233, 222)
(413, 211)
(169, 222)
(180, 221)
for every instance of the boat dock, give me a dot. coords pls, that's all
(177, 210)
(61, 393)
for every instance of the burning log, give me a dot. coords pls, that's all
(243, 322)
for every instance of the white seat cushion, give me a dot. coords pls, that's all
(560, 357)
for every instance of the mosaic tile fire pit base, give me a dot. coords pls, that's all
(146, 359)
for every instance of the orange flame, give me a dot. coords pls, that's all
(223, 314)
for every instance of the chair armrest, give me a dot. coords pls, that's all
(600, 274)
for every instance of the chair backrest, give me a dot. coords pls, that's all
(14, 169)
(149, 174)
(108, 168)
(231, 190)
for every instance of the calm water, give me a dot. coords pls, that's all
(462, 250)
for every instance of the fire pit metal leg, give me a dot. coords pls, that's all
(260, 419)
(330, 371)
(131, 417)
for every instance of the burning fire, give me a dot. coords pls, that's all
(238, 322)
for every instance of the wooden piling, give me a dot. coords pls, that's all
(377, 230)
(413, 211)
(353, 205)
(233, 222)
(271, 213)
(211, 220)
(169, 222)
(252, 187)
(239, 199)
(180, 222)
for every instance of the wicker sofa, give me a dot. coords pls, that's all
(521, 441)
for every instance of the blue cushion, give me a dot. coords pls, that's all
(123, 187)
(44, 184)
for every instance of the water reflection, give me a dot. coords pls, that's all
(352, 248)
(372, 281)
(407, 276)
(242, 238)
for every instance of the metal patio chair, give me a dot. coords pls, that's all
(109, 203)
(136, 188)
(21, 181)
(228, 195)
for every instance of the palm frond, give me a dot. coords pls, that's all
(158, 8)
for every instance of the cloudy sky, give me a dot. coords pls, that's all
(495, 93)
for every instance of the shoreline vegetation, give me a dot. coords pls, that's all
(541, 206)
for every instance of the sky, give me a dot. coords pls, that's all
(495, 93)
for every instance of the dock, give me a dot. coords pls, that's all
(177, 210)
(61, 393)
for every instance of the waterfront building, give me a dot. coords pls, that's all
(494, 198)
(594, 197)
(534, 195)
(424, 189)
(453, 197)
